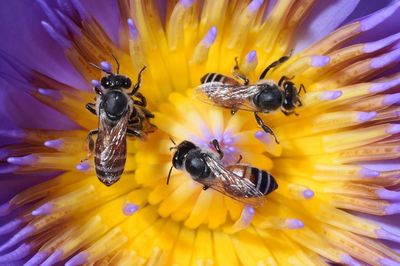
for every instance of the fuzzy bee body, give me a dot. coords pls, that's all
(244, 183)
(120, 116)
(265, 96)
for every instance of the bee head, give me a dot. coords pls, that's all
(116, 82)
(181, 151)
(269, 98)
(115, 104)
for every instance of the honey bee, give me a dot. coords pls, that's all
(241, 182)
(119, 115)
(263, 97)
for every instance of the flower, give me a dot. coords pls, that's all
(335, 165)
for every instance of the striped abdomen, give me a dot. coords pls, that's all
(109, 160)
(262, 180)
(215, 77)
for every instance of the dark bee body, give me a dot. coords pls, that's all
(241, 182)
(262, 180)
(119, 116)
(263, 97)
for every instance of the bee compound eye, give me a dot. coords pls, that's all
(127, 83)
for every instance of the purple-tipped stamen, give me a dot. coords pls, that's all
(308, 193)
(5, 209)
(393, 129)
(55, 257)
(23, 160)
(54, 144)
(53, 94)
(19, 253)
(385, 233)
(78, 259)
(106, 66)
(133, 32)
(251, 57)
(72, 27)
(61, 40)
(348, 260)
(210, 37)
(365, 116)
(21, 235)
(247, 215)
(378, 17)
(81, 10)
(382, 86)
(254, 5)
(83, 166)
(391, 99)
(16, 134)
(319, 60)
(330, 95)
(388, 262)
(294, 223)
(386, 194)
(385, 59)
(186, 3)
(46, 208)
(393, 208)
(52, 16)
(10, 226)
(377, 45)
(368, 173)
(6, 169)
(130, 208)
(37, 259)
(95, 83)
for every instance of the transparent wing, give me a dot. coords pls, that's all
(232, 185)
(228, 95)
(111, 141)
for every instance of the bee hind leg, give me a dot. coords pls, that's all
(91, 107)
(205, 188)
(90, 143)
(239, 74)
(142, 100)
(266, 128)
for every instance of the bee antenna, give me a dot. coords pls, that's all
(99, 68)
(172, 141)
(116, 61)
(169, 174)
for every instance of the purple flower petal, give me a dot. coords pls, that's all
(324, 18)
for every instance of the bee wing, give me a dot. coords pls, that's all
(112, 145)
(228, 95)
(232, 185)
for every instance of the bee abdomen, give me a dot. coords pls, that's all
(109, 172)
(263, 181)
(212, 77)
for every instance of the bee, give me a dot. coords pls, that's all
(241, 182)
(119, 115)
(263, 97)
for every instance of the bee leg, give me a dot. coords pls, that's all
(286, 112)
(215, 143)
(131, 132)
(147, 113)
(205, 188)
(91, 107)
(240, 159)
(90, 143)
(266, 128)
(283, 79)
(138, 83)
(238, 74)
(142, 101)
(233, 111)
(278, 62)
(299, 103)
(302, 88)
